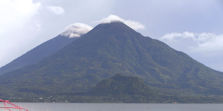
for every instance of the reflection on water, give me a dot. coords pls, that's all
(120, 107)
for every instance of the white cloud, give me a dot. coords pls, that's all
(113, 18)
(206, 42)
(205, 47)
(76, 30)
(56, 9)
(16, 12)
(14, 17)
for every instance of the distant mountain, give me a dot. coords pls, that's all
(107, 50)
(37, 54)
(72, 32)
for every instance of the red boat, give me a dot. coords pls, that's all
(6, 105)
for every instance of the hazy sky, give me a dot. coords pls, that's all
(191, 26)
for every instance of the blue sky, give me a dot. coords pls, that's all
(191, 26)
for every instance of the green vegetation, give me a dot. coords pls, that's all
(86, 64)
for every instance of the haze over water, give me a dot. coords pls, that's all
(120, 107)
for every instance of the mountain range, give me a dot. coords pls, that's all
(110, 63)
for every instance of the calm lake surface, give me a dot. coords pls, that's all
(120, 107)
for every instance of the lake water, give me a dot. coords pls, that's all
(119, 107)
